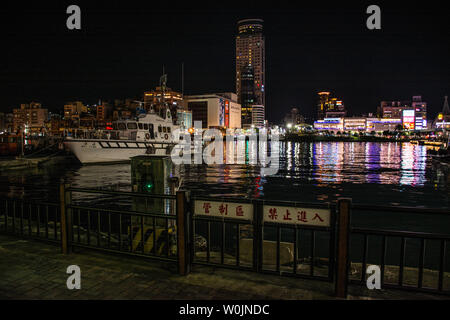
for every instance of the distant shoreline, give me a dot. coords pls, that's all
(317, 138)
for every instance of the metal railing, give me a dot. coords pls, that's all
(38, 220)
(168, 228)
(412, 277)
(137, 231)
(255, 245)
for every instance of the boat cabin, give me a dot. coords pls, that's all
(149, 127)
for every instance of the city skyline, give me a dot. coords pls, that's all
(111, 58)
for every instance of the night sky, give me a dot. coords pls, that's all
(123, 45)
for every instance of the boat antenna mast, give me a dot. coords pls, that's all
(163, 85)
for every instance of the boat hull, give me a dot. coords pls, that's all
(110, 151)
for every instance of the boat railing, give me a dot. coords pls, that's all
(100, 134)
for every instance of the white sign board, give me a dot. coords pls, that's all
(291, 215)
(242, 211)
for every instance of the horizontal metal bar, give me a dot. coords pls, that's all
(220, 219)
(130, 213)
(228, 266)
(326, 205)
(406, 234)
(32, 186)
(223, 199)
(31, 202)
(295, 226)
(123, 193)
(114, 140)
(128, 253)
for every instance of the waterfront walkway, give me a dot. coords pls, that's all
(36, 270)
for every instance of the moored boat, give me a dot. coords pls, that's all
(148, 134)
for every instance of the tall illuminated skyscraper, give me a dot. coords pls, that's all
(250, 67)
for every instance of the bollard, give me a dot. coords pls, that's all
(182, 234)
(343, 234)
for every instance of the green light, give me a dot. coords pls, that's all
(149, 186)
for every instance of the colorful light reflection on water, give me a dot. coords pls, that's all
(369, 172)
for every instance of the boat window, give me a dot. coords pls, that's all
(168, 129)
(150, 129)
(131, 125)
(121, 126)
(140, 126)
(159, 129)
(164, 129)
(145, 126)
(114, 125)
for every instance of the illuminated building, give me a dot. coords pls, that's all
(357, 124)
(392, 109)
(121, 114)
(87, 121)
(155, 97)
(104, 112)
(382, 124)
(330, 124)
(247, 96)
(294, 117)
(258, 116)
(161, 97)
(420, 110)
(322, 105)
(73, 108)
(443, 118)
(32, 116)
(395, 110)
(8, 122)
(409, 119)
(250, 66)
(216, 110)
(329, 107)
(184, 119)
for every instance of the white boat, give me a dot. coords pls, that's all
(149, 134)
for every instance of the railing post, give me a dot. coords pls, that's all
(182, 233)
(343, 240)
(65, 222)
(257, 236)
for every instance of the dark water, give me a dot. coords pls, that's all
(368, 172)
